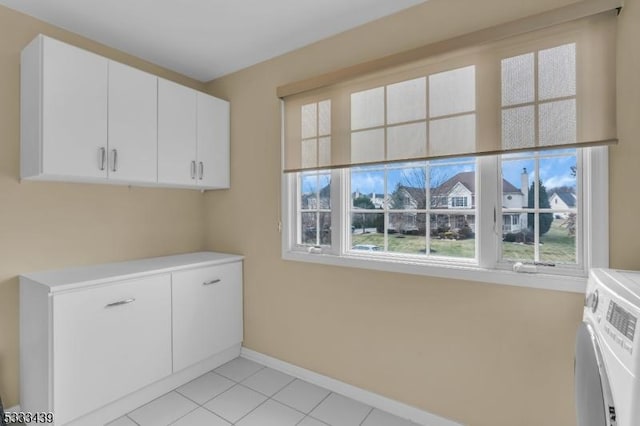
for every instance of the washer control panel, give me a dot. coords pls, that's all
(621, 320)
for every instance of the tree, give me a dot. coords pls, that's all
(543, 203)
(363, 220)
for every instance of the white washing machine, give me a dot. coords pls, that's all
(607, 364)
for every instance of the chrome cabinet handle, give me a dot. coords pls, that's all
(193, 169)
(216, 281)
(103, 157)
(201, 170)
(120, 302)
(114, 154)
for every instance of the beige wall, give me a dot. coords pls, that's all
(52, 225)
(476, 353)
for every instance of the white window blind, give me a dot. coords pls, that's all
(545, 89)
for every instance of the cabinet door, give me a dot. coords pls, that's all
(176, 134)
(207, 312)
(109, 341)
(213, 142)
(133, 124)
(74, 111)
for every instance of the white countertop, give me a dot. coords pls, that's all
(69, 278)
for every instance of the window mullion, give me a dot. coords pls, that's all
(487, 181)
(536, 208)
(339, 210)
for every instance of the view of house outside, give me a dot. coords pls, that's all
(389, 212)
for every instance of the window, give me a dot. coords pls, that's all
(543, 233)
(405, 223)
(415, 194)
(380, 215)
(458, 201)
(314, 209)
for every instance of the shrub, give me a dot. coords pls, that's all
(465, 232)
(525, 236)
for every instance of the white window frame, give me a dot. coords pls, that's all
(486, 267)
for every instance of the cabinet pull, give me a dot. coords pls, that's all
(120, 302)
(114, 154)
(201, 170)
(216, 281)
(193, 169)
(103, 157)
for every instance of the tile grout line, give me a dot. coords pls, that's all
(186, 414)
(321, 401)
(367, 416)
(277, 391)
(251, 411)
(127, 416)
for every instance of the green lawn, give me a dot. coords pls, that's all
(557, 245)
(414, 244)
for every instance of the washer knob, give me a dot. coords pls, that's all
(592, 301)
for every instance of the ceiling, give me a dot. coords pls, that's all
(205, 39)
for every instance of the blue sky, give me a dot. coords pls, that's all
(555, 172)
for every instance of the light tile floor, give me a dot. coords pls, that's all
(245, 393)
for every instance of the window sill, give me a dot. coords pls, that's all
(543, 281)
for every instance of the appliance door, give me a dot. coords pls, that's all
(594, 402)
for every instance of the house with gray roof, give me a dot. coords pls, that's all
(457, 195)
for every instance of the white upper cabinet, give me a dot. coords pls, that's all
(213, 142)
(176, 134)
(133, 124)
(193, 137)
(85, 118)
(64, 111)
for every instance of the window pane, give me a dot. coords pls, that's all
(452, 92)
(367, 231)
(324, 227)
(367, 108)
(518, 242)
(407, 233)
(407, 188)
(367, 188)
(453, 185)
(454, 135)
(310, 153)
(517, 80)
(407, 141)
(517, 178)
(308, 228)
(558, 229)
(452, 235)
(558, 245)
(558, 176)
(309, 191)
(407, 101)
(324, 194)
(324, 113)
(518, 127)
(309, 120)
(324, 151)
(557, 72)
(557, 122)
(367, 146)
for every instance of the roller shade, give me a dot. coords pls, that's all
(548, 88)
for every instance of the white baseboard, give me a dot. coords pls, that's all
(366, 397)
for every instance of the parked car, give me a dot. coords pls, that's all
(366, 247)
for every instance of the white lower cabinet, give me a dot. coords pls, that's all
(207, 312)
(98, 341)
(109, 341)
